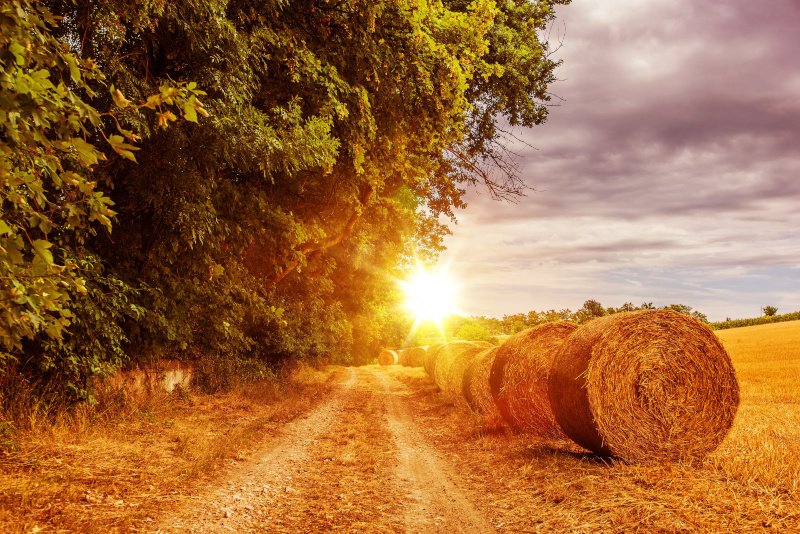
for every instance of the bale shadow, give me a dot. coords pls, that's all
(549, 450)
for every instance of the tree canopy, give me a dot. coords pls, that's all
(238, 179)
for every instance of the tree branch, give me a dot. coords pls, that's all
(308, 249)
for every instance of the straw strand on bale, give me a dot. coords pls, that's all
(476, 389)
(646, 386)
(388, 357)
(429, 362)
(519, 376)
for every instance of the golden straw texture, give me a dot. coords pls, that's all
(476, 385)
(646, 386)
(519, 375)
(453, 374)
(429, 362)
(412, 357)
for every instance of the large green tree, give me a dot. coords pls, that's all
(330, 137)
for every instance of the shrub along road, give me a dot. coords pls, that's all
(358, 462)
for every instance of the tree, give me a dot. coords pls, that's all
(591, 309)
(687, 310)
(769, 311)
(338, 133)
(52, 142)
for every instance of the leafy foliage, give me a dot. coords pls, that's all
(265, 216)
(51, 142)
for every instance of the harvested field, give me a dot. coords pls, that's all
(382, 450)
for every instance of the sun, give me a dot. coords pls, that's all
(430, 296)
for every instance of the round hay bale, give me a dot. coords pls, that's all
(646, 386)
(401, 356)
(475, 385)
(413, 357)
(388, 357)
(452, 366)
(429, 362)
(447, 355)
(518, 378)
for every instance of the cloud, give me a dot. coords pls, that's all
(674, 151)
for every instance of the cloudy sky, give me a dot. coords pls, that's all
(669, 174)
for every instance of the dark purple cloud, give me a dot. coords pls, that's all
(676, 146)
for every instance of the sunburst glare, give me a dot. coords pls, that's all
(430, 296)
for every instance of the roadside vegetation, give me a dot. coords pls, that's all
(765, 319)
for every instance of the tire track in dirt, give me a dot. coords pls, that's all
(434, 502)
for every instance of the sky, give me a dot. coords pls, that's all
(669, 173)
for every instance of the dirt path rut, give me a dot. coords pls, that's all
(357, 463)
(435, 502)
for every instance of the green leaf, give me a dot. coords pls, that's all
(122, 148)
(41, 247)
(189, 113)
(127, 154)
(19, 53)
(4, 228)
(74, 71)
(87, 153)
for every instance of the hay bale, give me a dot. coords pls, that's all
(451, 362)
(518, 378)
(429, 362)
(475, 385)
(647, 386)
(401, 356)
(388, 357)
(412, 357)
(453, 373)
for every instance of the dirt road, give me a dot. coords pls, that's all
(357, 463)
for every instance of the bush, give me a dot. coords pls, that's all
(219, 374)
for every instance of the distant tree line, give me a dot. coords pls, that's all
(229, 180)
(765, 319)
(487, 328)
(480, 328)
